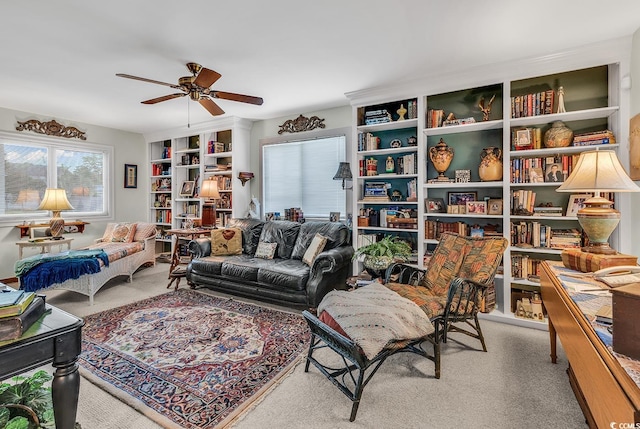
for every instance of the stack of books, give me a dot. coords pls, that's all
(18, 311)
(594, 138)
(379, 116)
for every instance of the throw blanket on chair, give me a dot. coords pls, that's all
(41, 271)
(374, 317)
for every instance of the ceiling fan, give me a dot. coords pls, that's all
(197, 87)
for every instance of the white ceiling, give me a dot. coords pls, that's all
(59, 58)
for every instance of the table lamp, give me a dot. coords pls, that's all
(209, 191)
(598, 171)
(344, 173)
(56, 201)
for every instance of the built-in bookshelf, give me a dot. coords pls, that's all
(181, 159)
(506, 118)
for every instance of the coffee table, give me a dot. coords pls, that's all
(55, 338)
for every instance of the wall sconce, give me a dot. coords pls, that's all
(245, 176)
(598, 171)
(344, 174)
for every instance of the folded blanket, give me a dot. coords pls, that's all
(374, 317)
(26, 264)
(49, 273)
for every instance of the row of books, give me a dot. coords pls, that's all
(224, 183)
(534, 234)
(368, 141)
(163, 216)
(160, 170)
(19, 310)
(534, 104)
(539, 170)
(524, 267)
(433, 229)
(218, 147)
(412, 109)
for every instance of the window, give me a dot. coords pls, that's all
(29, 166)
(300, 174)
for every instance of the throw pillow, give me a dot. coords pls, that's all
(122, 233)
(144, 230)
(226, 241)
(266, 250)
(314, 249)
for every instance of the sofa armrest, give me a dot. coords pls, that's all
(329, 271)
(200, 247)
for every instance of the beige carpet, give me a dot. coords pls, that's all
(513, 385)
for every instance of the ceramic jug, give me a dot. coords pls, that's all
(490, 165)
(441, 156)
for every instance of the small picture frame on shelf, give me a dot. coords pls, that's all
(494, 206)
(476, 231)
(523, 139)
(461, 198)
(476, 207)
(434, 205)
(188, 186)
(463, 176)
(576, 202)
(536, 175)
(554, 173)
(39, 233)
(334, 217)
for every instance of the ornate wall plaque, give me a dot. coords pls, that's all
(50, 128)
(301, 123)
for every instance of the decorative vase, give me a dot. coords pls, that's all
(490, 165)
(441, 156)
(559, 135)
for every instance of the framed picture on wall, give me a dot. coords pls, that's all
(130, 176)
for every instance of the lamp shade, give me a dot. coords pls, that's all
(55, 200)
(210, 189)
(598, 171)
(344, 172)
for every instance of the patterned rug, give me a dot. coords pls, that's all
(195, 360)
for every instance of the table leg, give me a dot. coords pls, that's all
(552, 341)
(65, 390)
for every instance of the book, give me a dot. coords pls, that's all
(605, 315)
(12, 328)
(19, 307)
(10, 297)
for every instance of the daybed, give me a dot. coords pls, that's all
(123, 249)
(276, 260)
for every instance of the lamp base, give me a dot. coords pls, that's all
(598, 220)
(209, 216)
(56, 226)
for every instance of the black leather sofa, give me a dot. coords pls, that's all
(285, 278)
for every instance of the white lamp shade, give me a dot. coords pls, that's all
(598, 171)
(55, 200)
(210, 189)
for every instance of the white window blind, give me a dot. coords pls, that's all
(300, 174)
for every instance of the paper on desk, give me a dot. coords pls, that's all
(589, 288)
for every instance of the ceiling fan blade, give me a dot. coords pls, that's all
(163, 98)
(212, 107)
(206, 78)
(237, 97)
(144, 79)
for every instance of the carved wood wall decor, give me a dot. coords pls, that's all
(51, 128)
(301, 123)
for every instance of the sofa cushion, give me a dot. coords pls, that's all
(226, 241)
(241, 268)
(282, 232)
(337, 235)
(317, 245)
(266, 250)
(212, 265)
(251, 230)
(143, 231)
(122, 232)
(285, 273)
(445, 262)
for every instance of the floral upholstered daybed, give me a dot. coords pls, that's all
(123, 249)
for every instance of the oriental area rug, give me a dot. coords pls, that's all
(190, 360)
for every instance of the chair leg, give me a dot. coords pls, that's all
(357, 395)
(480, 336)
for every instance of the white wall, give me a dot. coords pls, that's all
(634, 110)
(338, 117)
(129, 204)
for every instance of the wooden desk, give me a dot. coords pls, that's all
(604, 389)
(55, 338)
(44, 245)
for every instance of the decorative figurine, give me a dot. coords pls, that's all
(390, 165)
(441, 156)
(486, 111)
(401, 112)
(561, 100)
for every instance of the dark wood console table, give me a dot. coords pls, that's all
(604, 389)
(55, 338)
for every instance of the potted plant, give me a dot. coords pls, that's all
(379, 255)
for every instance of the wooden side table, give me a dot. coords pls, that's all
(44, 245)
(177, 270)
